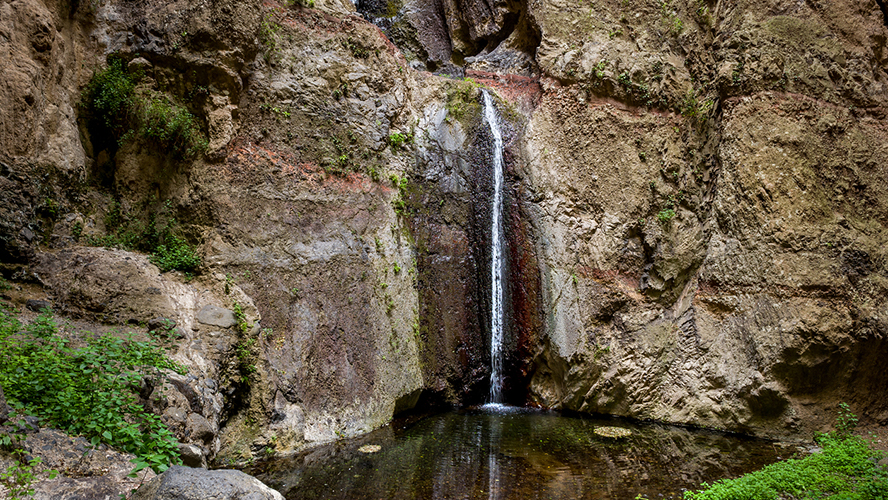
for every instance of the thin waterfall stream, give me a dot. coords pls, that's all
(496, 255)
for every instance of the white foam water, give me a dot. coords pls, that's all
(496, 255)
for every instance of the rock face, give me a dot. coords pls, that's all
(715, 267)
(450, 36)
(695, 207)
(88, 472)
(183, 483)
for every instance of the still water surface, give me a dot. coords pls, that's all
(507, 453)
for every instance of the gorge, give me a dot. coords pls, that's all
(335, 213)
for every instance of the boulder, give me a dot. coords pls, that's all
(216, 316)
(38, 305)
(193, 456)
(183, 483)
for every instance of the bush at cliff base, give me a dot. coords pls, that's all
(847, 468)
(85, 384)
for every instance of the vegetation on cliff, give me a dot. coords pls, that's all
(86, 384)
(117, 106)
(152, 232)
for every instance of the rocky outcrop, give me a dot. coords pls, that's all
(450, 36)
(201, 484)
(85, 471)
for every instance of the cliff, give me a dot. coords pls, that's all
(696, 205)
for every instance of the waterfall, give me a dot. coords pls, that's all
(496, 256)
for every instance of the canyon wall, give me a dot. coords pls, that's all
(696, 206)
(711, 203)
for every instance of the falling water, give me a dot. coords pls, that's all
(496, 257)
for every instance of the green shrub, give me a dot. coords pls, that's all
(130, 232)
(108, 97)
(87, 386)
(167, 125)
(116, 106)
(846, 469)
(175, 254)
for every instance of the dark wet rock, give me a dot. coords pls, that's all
(4, 408)
(38, 305)
(183, 483)
(193, 456)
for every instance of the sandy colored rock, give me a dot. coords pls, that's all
(695, 207)
(216, 316)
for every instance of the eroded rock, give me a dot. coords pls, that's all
(183, 483)
(85, 471)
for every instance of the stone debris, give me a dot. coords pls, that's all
(613, 432)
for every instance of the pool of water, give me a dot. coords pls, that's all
(507, 453)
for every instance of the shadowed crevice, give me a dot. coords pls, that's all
(883, 5)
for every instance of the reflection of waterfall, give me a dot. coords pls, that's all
(496, 256)
(494, 437)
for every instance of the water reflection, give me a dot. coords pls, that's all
(516, 454)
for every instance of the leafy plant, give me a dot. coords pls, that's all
(245, 357)
(694, 107)
(846, 421)
(170, 127)
(77, 230)
(116, 106)
(847, 468)
(673, 21)
(599, 68)
(108, 97)
(397, 139)
(268, 36)
(399, 203)
(175, 254)
(244, 347)
(89, 389)
(19, 477)
(243, 325)
(666, 215)
(156, 237)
